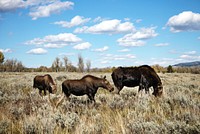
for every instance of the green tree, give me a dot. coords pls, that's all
(170, 69)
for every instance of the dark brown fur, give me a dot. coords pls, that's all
(150, 78)
(88, 85)
(44, 83)
(142, 76)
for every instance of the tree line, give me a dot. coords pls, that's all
(58, 65)
(65, 65)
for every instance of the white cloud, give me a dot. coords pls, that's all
(10, 5)
(191, 52)
(190, 57)
(99, 19)
(161, 44)
(185, 21)
(101, 49)
(137, 38)
(37, 51)
(184, 56)
(76, 21)
(47, 10)
(162, 61)
(8, 50)
(55, 41)
(82, 46)
(105, 62)
(39, 8)
(50, 45)
(107, 26)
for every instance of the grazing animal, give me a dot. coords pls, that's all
(44, 83)
(150, 78)
(142, 76)
(87, 85)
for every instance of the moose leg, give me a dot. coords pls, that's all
(91, 97)
(146, 87)
(40, 92)
(119, 89)
(146, 90)
(45, 93)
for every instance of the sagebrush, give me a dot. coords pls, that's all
(23, 110)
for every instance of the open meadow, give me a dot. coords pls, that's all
(23, 110)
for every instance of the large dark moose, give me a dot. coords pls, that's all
(44, 83)
(87, 85)
(143, 76)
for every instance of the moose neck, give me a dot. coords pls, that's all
(99, 83)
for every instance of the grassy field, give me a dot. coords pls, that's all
(22, 110)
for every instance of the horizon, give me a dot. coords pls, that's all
(109, 33)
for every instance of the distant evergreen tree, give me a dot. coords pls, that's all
(170, 69)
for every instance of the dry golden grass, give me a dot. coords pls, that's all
(24, 111)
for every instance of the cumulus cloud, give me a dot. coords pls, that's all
(137, 38)
(185, 21)
(82, 46)
(47, 10)
(37, 51)
(39, 8)
(107, 26)
(8, 50)
(99, 19)
(10, 5)
(55, 41)
(50, 45)
(76, 21)
(190, 55)
(101, 49)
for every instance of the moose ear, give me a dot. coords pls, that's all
(104, 77)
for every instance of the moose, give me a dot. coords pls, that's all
(143, 76)
(44, 83)
(87, 85)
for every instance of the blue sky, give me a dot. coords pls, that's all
(106, 32)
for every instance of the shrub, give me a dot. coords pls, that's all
(5, 126)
